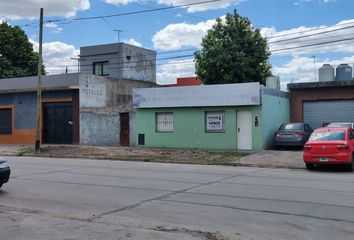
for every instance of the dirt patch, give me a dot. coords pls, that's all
(140, 154)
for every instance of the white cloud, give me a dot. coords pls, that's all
(132, 41)
(176, 36)
(201, 7)
(288, 41)
(54, 27)
(28, 9)
(302, 2)
(191, 8)
(303, 69)
(56, 57)
(120, 2)
(169, 72)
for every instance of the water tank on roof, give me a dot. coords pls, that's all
(344, 72)
(273, 82)
(326, 73)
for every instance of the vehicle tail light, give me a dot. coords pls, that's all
(307, 147)
(342, 146)
(277, 135)
(298, 135)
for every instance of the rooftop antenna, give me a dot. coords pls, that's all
(118, 33)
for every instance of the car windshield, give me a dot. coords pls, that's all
(339, 125)
(291, 126)
(323, 136)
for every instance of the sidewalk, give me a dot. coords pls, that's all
(265, 158)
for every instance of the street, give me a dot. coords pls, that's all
(48, 198)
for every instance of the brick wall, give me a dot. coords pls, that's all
(298, 96)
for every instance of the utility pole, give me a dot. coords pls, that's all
(78, 62)
(314, 67)
(39, 83)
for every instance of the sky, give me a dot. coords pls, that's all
(302, 35)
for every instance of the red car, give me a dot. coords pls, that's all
(330, 146)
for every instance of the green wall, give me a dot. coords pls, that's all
(275, 111)
(189, 128)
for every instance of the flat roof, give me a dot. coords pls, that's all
(330, 84)
(49, 82)
(240, 94)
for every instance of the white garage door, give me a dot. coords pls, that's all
(318, 112)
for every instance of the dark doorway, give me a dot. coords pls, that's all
(57, 123)
(124, 129)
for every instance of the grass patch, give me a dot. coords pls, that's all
(230, 154)
(25, 150)
(221, 158)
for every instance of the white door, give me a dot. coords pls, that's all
(244, 130)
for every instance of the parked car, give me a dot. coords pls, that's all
(330, 145)
(292, 134)
(4, 172)
(341, 124)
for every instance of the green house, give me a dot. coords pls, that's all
(229, 116)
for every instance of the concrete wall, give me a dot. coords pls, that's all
(275, 111)
(99, 128)
(119, 93)
(92, 91)
(138, 63)
(124, 61)
(189, 128)
(101, 101)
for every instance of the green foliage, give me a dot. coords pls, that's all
(24, 151)
(233, 52)
(18, 59)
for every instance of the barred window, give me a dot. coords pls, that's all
(5, 121)
(164, 122)
(214, 122)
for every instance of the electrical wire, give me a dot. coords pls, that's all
(310, 30)
(311, 35)
(128, 13)
(312, 45)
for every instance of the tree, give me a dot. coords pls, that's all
(233, 52)
(17, 57)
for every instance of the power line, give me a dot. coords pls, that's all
(312, 45)
(128, 13)
(310, 30)
(312, 40)
(311, 35)
(172, 12)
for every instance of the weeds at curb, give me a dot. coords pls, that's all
(25, 150)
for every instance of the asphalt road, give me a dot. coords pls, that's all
(89, 199)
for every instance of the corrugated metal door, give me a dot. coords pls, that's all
(318, 112)
(244, 130)
(57, 123)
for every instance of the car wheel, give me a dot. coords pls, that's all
(350, 166)
(310, 166)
